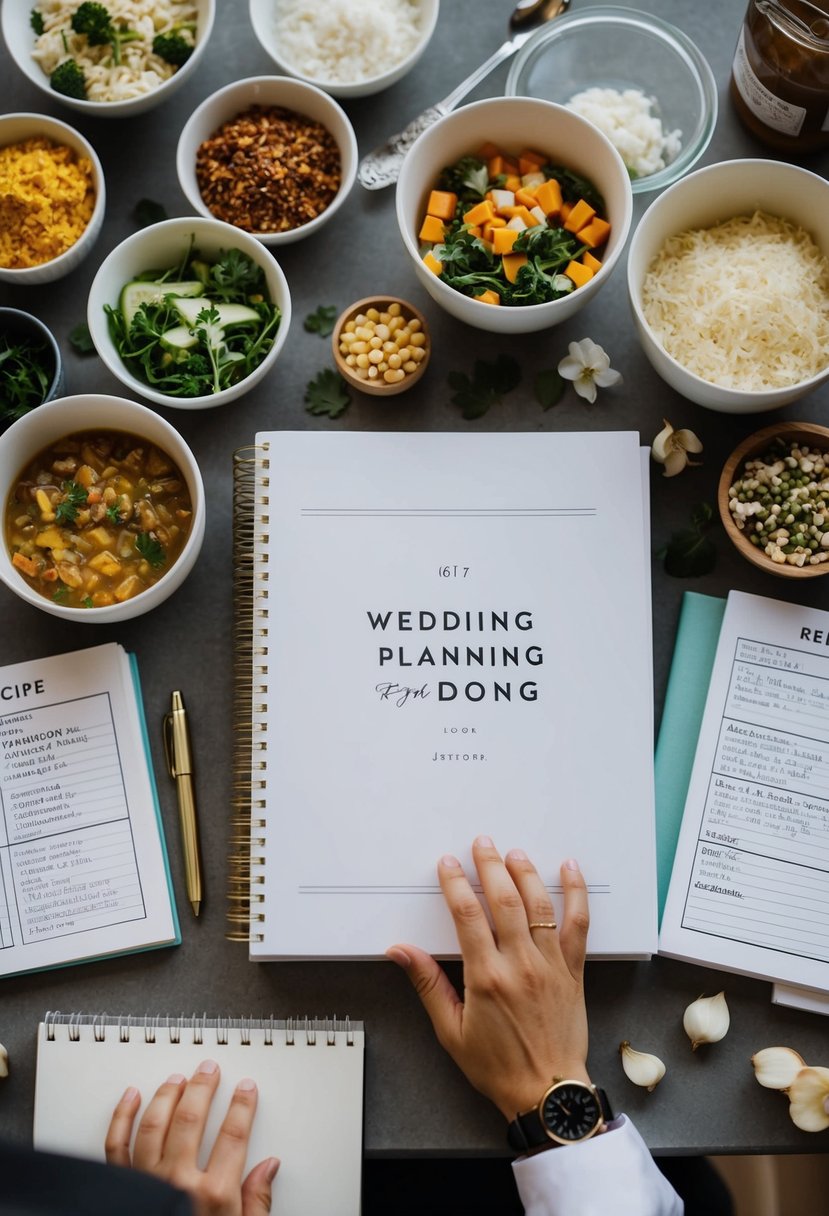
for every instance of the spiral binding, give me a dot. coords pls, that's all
(305, 1031)
(250, 616)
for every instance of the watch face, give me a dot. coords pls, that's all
(571, 1111)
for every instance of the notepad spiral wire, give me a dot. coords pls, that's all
(250, 614)
(201, 1029)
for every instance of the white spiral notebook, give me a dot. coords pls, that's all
(309, 1073)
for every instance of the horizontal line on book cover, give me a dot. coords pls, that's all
(448, 513)
(434, 889)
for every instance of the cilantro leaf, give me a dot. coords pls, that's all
(235, 275)
(327, 394)
(690, 553)
(74, 498)
(60, 595)
(80, 339)
(549, 386)
(322, 321)
(147, 211)
(36, 21)
(486, 387)
(150, 549)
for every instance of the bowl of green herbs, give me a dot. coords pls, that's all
(189, 313)
(31, 370)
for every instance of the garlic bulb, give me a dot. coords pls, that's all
(777, 1067)
(706, 1020)
(809, 1099)
(640, 1067)
(4, 1061)
(670, 448)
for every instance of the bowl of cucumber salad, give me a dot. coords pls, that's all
(189, 313)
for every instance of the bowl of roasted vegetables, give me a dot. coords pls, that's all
(189, 313)
(103, 508)
(107, 60)
(514, 212)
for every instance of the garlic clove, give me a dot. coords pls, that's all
(661, 445)
(777, 1067)
(640, 1067)
(706, 1020)
(4, 1061)
(809, 1099)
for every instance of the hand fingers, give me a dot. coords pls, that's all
(256, 1189)
(230, 1149)
(471, 925)
(433, 986)
(189, 1118)
(576, 920)
(538, 906)
(505, 903)
(155, 1123)
(117, 1143)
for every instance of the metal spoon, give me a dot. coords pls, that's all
(381, 167)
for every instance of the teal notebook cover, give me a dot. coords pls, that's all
(696, 644)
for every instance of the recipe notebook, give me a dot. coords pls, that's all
(83, 864)
(309, 1074)
(749, 890)
(439, 635)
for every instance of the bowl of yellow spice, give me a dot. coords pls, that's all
(52, 198)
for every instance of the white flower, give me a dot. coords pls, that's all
(671, 449)
(588, 366)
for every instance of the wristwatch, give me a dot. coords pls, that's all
(568, 1112)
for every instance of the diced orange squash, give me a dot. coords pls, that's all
(508, 212)
(549, 197)
(529, 160)
(595, 233)
(512, 263)
(564, 210)
(579, 273)
(480, 213)
(442, 204)
(581, 214)
(475, 230)
(495, 165)
(526, 215)
(512, 181)
(503, 239)
(592, 263)
(487, 151)
(511, 166)
(431, 262)
(525, 197)
(489, 297)
(432, 230)
(494, 224)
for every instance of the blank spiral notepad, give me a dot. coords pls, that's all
(309, 1073)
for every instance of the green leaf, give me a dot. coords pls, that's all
(36, 21)
(690, 553)
(61, 595)
(549, 386)
(488, 384)
(146, 211)
(87, 601)
(327, 394)
(322, 321)
(80, 339)
(74, 498)
(150, 549)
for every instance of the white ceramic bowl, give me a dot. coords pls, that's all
(263, 20)
(294, 95)
(705, 198)
(14, 128)
(19, 324)
(19, 37)
(163, 245)
(65, 416)
(513, 123)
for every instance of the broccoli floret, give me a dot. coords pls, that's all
(68, 79)
(172, 48)
(94, 20)
(36, 21)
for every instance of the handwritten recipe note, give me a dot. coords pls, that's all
(750, 887)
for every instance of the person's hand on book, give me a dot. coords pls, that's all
(169, 1137)
(522, 1020)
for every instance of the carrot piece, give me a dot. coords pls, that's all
(26, 564)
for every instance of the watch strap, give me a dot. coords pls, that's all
(527, 1131)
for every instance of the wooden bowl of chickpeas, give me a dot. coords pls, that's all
(381, 345)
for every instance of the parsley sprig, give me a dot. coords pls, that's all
(74, 497)
(322, 321)
(486, 387)
(327, 394)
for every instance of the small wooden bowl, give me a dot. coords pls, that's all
(379, 388)
(792, 432)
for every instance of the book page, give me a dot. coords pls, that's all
(458, 639)
(82, 871)
(750, 885)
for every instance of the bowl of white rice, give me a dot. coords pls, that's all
(728, 277)
(349, 48)
(111, 79)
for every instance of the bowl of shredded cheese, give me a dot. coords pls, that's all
(107, 60)
(52, 198)
(346, 47)
(641, 81)
(728, 277)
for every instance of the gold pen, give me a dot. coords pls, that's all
(180, 764)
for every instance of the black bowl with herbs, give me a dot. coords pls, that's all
(31, 369)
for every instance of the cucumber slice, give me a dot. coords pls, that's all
(133, 295)
(229, 314)
(178, 340)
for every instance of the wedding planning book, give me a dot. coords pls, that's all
(449, 635)
(83, 864)
(749, 890)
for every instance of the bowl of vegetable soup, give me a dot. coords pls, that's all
(104, 511)
(189, 313)
(514, 212)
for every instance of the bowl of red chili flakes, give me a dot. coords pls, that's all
(272, 156)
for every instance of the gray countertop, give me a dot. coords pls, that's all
(416, 1101)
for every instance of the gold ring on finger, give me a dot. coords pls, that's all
(543, 924)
